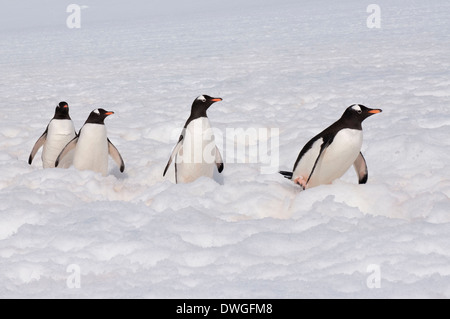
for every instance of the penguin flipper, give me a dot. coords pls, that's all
(70, 146)
(361, 169)
(323, 147)
(174, 152)
(219, 160)
(114, 153)
(37, 146)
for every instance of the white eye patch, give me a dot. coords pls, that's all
(201, 98)
(97, 111)
(356, 108)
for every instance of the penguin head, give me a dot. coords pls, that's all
(359, 112)
(202, 103)
(98, 116)
(62, 111)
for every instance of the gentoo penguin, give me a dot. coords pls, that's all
(58, 133)
(329, 154)
(196, 153)
(92, 145)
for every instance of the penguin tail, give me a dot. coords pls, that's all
(286, 174)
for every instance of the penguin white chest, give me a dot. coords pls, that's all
(337, 157)
(196, 157)
(91, 152)
(60, 132)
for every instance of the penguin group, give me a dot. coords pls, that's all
(323, 159)
(86, 150)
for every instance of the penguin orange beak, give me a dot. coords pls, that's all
(217, 99)
(66, 106)
(376, 111)
(109, 113)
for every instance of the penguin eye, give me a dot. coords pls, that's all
(203, 100)
(359, 111)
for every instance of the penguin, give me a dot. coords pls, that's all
(196, 153)
(58, 133)
(92, 146)
(329, 154)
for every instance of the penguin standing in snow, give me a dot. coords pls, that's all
(329, 154)
(92, 146)
(58, 133)
(196, 153)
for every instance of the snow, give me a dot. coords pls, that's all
(289, 66)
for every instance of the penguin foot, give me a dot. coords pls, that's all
(300, 181)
